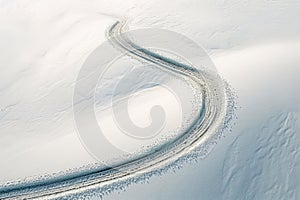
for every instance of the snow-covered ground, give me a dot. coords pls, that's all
(259, 159)
(255, 46)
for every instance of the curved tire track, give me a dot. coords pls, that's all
(210, 119)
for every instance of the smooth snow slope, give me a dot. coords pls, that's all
(255, 46)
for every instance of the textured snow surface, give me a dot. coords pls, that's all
(255, 46)
(260, 158)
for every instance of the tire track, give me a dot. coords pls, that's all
(209, 121)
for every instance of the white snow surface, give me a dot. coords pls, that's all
(255, 46)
